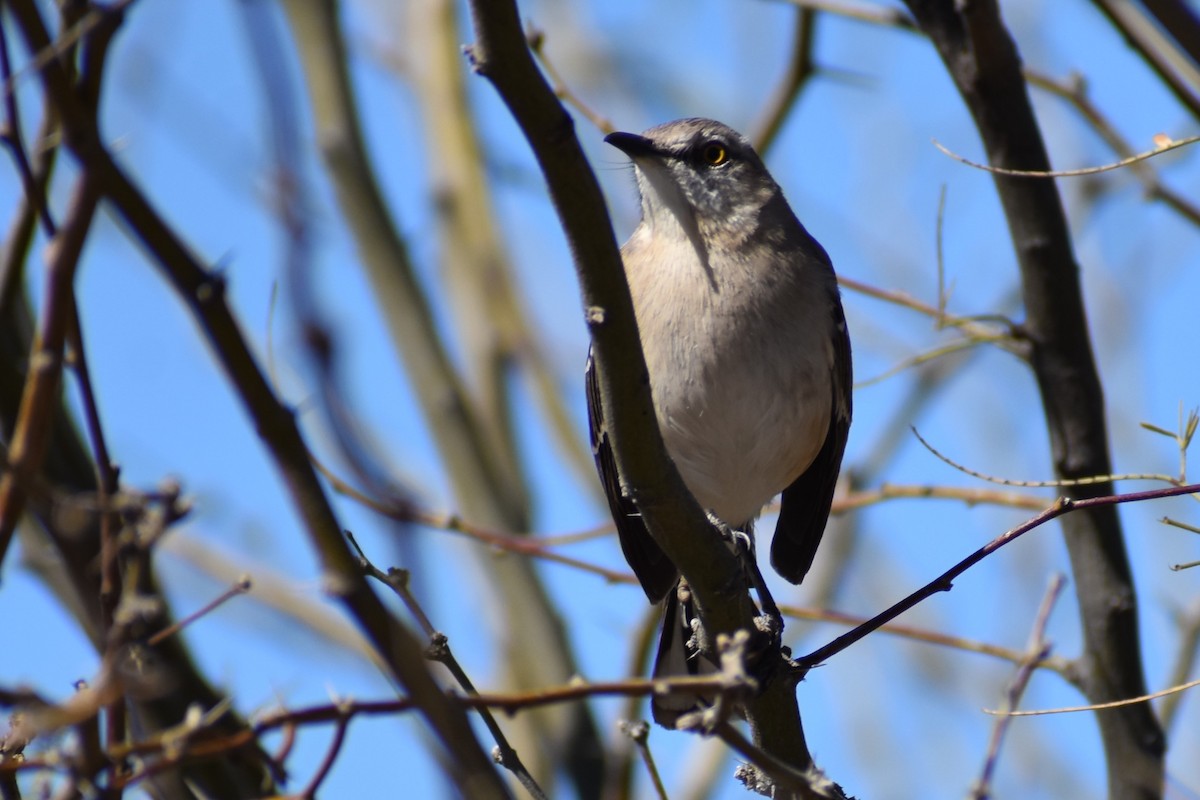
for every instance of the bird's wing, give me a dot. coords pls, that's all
(805, 506)
(650, 564)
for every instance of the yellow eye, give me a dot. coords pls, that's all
(714, 154)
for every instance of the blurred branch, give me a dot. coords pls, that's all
(1074, 91)
(500, 54)
(1004, 334)
(477, 471)
(862, 12)
(31, 435)
(489, 319)
(1036, 651)
(1188, 622)
(949, 348)
(982, 59)
(537, 45)
(799, 69)
(499, 337)
(275, 592)
(474, 444)
(1172, 50)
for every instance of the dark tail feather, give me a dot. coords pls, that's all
(678, 657)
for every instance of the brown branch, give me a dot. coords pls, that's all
(331, 754)
(31, 434)
(1188, 622)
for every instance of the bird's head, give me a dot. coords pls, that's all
(699, 175)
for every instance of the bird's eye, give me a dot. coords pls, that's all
(714, 154)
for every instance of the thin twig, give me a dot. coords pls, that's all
(1089, 480)
(1004, 334)
(439, 651)
(1188, 622)
(1074, 91)
(241, 587)
(1173, 144)
(537, 45)
(890, 491)
(1053, 663)
(331, 754)
(639, 733)
(1035, 652)
(944, 582)
(783, 98)
(1130, 701)
(1159, 49)
(513, 543)
(862, 12)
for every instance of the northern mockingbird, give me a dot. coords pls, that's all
(746, 346)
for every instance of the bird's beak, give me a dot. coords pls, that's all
(632, 145)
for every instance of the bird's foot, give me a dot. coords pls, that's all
(770, 621)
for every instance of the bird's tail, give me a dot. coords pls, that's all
(678, 656)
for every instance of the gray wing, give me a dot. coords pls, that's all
(805, 506)
(650, 564)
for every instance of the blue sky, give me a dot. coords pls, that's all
(888, 718)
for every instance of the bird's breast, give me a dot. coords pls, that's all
(740, 376)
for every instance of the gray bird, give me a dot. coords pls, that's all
(746, 346)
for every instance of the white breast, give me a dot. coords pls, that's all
(739, 370)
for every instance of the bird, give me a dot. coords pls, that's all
(748, 355)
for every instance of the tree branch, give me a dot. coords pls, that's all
(983, 62)
(672, 515)
(202, 291)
